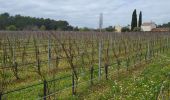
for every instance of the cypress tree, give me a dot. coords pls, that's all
(140, 19)
(134, 20)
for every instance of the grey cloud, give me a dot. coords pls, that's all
(86, 12)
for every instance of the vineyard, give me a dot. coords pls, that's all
(49, 65)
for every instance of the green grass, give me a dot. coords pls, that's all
(142, 84)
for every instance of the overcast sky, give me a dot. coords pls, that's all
(86, 12)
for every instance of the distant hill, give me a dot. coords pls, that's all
(19, 22)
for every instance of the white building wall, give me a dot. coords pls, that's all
(118, 28)
(148, 28)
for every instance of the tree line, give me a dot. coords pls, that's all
(18, 22)
(165, 25)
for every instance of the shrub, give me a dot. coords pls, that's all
(11, 28)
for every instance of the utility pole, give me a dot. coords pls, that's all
(49, 51)
(100, 43)
(100, 22)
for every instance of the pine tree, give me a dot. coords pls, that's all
(134, 20)
(140, 19)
